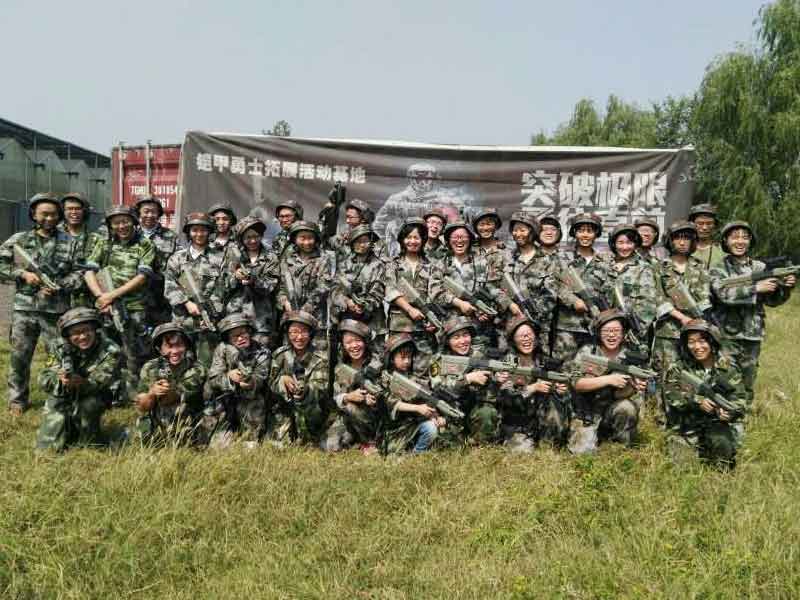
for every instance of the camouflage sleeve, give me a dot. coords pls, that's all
(392, 293)
(282, 295)
(677, 396)
(276, 372)
(434, 281)
(443, 297)
(104, 372)
(261, 367)
(494, 277)
(574, 369)
(702, 291)
(48, 376)
(147, 376)
(323, 282)
(730, 371)
(97, 256)
(9, 272)
(147, 259)
(375, 291)
(191, 385)
(173, 292)
(266, 280)
(454, 384)
(649, 295)
(317, 384)
(735, 296)
(218, 381)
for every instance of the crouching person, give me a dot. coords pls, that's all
(76, 379)
(238, 384)
(299, 385)
(535, 407)
(608, 395)
(356, 392)
(705, 398)
(170, 392)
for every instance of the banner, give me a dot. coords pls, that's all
(253, 173)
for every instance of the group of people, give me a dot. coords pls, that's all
(327, 339)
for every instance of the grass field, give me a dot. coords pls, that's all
(295, 523)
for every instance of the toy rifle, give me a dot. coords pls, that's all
(459, 365)
(329, 215)
(433, 313)
(480, 299)
(192, 286)
(715, 393)
(353, 379)
(605, 365)
(524, 303)
(684, 301)
(575, 284)
(408, 389)
(777, 273)
(28, 263)
(291, 290)
(639, 337)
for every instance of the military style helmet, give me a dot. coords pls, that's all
(483, 214)
(165, 329)
(45, 197)
(699, 325)
(226, 208)
(149, 200)
(299, 226)
(702, 209)
(198, 218)
(362, 230)
(233, 321)
(76, 316)
(367, 214)
(525, 218)
(552, 220)
(680, 227)
(394, 342)
(436, 212)
(457, 324)
(358, 328)
(624, 229)
(451, 227)
(300, 316)
(586, 218)
(516, 322)
(125, 211)
(408, 226)
(606, 316)
(291, 204)
(729, 227)
(249, 223)
(76, 197)
(650, 223)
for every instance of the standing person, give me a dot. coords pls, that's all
(128, 259)
(696, 424)
(253, 281)
(708, 250)
(42, 291)
(150, 210)
(486, 223)
(76, 379)
(170, 390)
(356, 212)
(224, 221)
(739, 309)
(649, 231)
(286, 213)
(198, 313)
(574, 315)
(76, 210)
(435, 221)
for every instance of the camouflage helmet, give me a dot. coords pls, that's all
(451, 227)
(456, 324)
(116, 211)
(291, 204)
(606, 316)
(45, 197)
(221, 207)
(76, 316)
(680, 227)
(515, 323)
(624, 229)
(642, 221)
(729, 227)
(76, 197)
(299, 226)
(360, 231)
(165, 329)
(367, 214)
(436, 212)
(552, 220)
(394, 342)
(198, 218)
(141, 200)
(302, 317)
(702, 209)
(358, 328)
(487, 213)
(408, 226)
(700, 325)
(586, 218)
(233, 321)
(249, 223)
(525, 218)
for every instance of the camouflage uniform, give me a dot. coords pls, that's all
(68, 415)
(690, 427)
(255, 300)
(291, 420)
(436, 251)
(402, 430)
(84, 242)
(33, 313)
(166, 243)
(710, 257)
(366, 277)
(353, 423)
(281, 243)
(313, 280)
(172, 422)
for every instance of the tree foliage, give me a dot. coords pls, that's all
(281, 128)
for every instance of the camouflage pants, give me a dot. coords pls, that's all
(618, 422)
(26, 327)
(67, 420)
(716, 443)
(566, 344)
(746, 354)
(553, 414)
(244, 418)
(298, 422)
(665, 354)
(484, 424)
(353, 425)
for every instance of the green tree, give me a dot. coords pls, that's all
(281, 128)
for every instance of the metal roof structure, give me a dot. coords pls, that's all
(30, 138)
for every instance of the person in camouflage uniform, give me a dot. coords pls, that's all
(360, 286)
(37, 306)
(357, 409)
(356, 213)
(649, 231)
(739, 310)
(238, 385)
(479, 274)
(485, 224)
(206, 264)
(530, 411)
(410, 424)
(708, 250)
(435, 222)
(299, 385)
(286, 213)
(150, 210)
(76, 211)
(574, 316)
(476, 390)
(605, 405)
(76, 379)
(128, 258)
(414, 266)
(169, 396)
(696, 425)
(253, 281)
(225, 221)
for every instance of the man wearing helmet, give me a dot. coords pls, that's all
(76, 379)
(76, 225)
(286, 213)
(356, 213)
(224, 221)
(649, 231)
(708, 250)
(37, 305)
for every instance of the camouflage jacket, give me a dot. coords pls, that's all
(538, 282)
(655, 255)
(641, 291)
(281, 243)
(312, 279)
(683, 403)
(437, 251)
(695, 279)
(208, 270)
(516, 403)
(254, 300)
(187, 379)
(426, 279)
(314, 375)
(256, 359)
(363, 280)
(740, 310)
(340, 246)
(710, 257)
(478, 271)
(84, 241)
(595, 402)
(55, 256)
(594, 274)
(167, 243)
(456, 386)
(125, 260)
(99, 365)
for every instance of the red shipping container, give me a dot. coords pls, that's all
(134, 175)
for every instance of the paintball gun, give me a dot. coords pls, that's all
(352, 289)
(408, 389)
(27, 262)
(291, 290)
(192, 286)
(480, 299)
(684, 301)
(574, 282)
(715, 393)
(605, 365)
(119, 312)
(458, 365)
(353, 379)
(433, 314)
(329, 215)
(638, 330)
(778, 273)
(524, 303)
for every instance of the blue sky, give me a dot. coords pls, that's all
(451, 72)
